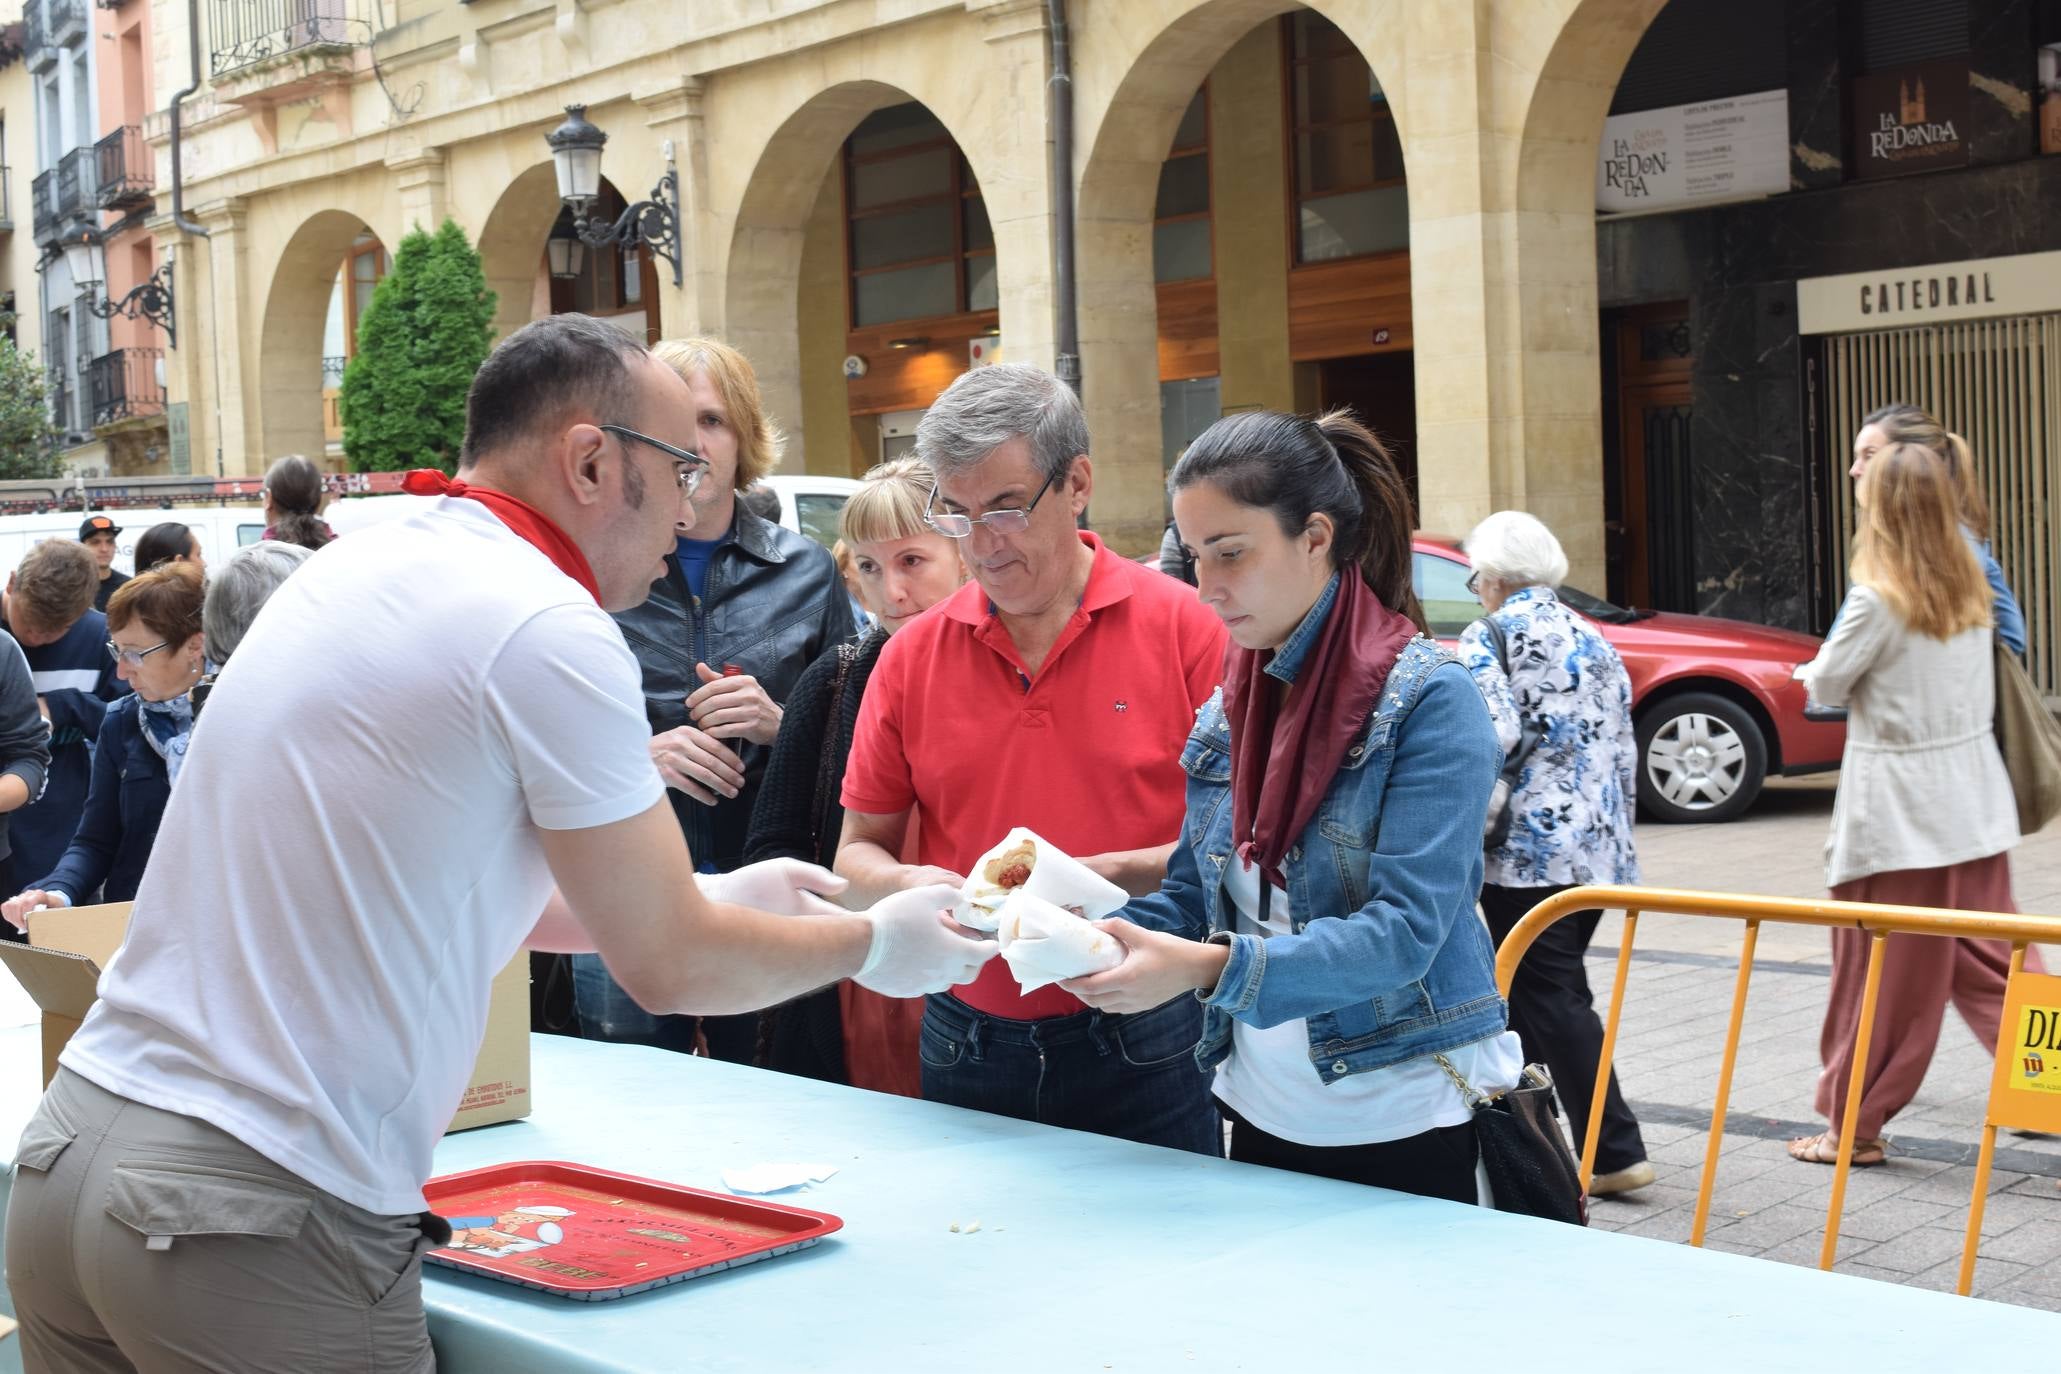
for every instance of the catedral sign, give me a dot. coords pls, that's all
(2029, 284)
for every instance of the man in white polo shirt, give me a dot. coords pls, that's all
(430, 727)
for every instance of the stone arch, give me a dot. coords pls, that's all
(511, 243)
(1129, 101)
(1563, 121)
(761, 280)
(290, 355)
(1552, 330)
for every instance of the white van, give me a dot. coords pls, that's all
(220, 529)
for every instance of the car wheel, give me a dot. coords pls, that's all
(1702, 759)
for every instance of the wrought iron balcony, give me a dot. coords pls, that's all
(64, 195)
(249, 33)
(124, 384)
(50, 23)
(123, 169)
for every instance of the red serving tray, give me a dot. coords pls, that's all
(591, 1234)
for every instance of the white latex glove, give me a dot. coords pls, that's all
(917, 948)
(785, 887)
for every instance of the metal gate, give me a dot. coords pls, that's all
(1996, 383)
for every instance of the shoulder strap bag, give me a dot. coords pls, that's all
(2030, 742)
(1530, 1169)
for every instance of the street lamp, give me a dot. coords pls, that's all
(566, 253)
(576, 153)
(82, 261)
(149, 300)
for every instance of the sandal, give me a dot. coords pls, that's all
(1823, 1148)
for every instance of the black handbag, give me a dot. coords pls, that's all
(1495, 829)
(1530, 1169)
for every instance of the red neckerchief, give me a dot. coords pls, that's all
(1284, 757)
(524, 519)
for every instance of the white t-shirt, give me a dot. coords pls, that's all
(1271, 1081)
(352, 853)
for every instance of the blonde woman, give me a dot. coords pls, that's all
(1924, 815)
(900, 568)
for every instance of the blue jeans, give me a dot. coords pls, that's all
(608, 1013)
(1133, 1077)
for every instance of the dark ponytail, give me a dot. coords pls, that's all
(1296, 467)
(296, 488)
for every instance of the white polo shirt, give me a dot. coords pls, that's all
(351, 853)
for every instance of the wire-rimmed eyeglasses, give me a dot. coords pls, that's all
(954, 525)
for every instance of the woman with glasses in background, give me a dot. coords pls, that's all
(901, 567)
(154, 629)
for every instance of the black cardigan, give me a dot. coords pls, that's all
(798, 815)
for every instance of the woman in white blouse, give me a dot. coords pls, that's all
(1546, 672)
(1924, 814)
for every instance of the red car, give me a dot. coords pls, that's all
(1713, 702)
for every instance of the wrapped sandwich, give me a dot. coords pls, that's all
(1023, 862)
(1045, 943)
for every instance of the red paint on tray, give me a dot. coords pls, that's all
(590, 1234)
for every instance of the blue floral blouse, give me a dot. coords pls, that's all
(1572, 808)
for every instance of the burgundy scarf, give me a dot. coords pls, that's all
(1283, 757)
(524, 519)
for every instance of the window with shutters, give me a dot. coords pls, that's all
(1180, 223)
(1350, 196)
(918, 237)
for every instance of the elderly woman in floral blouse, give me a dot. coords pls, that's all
(1548, 676)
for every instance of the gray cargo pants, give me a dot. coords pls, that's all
(141, 1240)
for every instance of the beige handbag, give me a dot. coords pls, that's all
(2030, 742)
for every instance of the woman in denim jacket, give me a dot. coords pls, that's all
(1320, 901)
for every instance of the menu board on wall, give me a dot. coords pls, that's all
(1713, 150)
(1910, 120)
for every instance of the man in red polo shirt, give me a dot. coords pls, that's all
(1054, 691)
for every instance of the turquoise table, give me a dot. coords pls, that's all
(1096, 1254)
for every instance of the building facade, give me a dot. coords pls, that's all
(1389, 204)
(18, 293)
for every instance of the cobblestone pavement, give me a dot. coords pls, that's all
(1903, 1222)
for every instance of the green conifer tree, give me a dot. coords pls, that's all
(427, 330)
(28, 443)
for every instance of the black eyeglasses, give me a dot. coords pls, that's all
(1474, 584)
(133, 657)
(693, 467)
(955, 526)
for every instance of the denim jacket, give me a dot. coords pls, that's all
(1388, 960)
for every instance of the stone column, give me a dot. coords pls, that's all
(674, 114)
(420, 179)
(221, 376)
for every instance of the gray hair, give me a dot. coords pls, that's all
(239, 587)
(1517, 550)
(990, 406)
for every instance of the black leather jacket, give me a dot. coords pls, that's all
(773, 602)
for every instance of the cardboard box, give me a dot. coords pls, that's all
(68, 946)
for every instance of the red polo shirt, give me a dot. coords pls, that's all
(1087, 753)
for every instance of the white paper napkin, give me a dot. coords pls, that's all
(1045, 943)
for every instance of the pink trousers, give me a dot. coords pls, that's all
(1920, 975)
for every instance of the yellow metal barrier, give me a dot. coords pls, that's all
(1879, 922)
